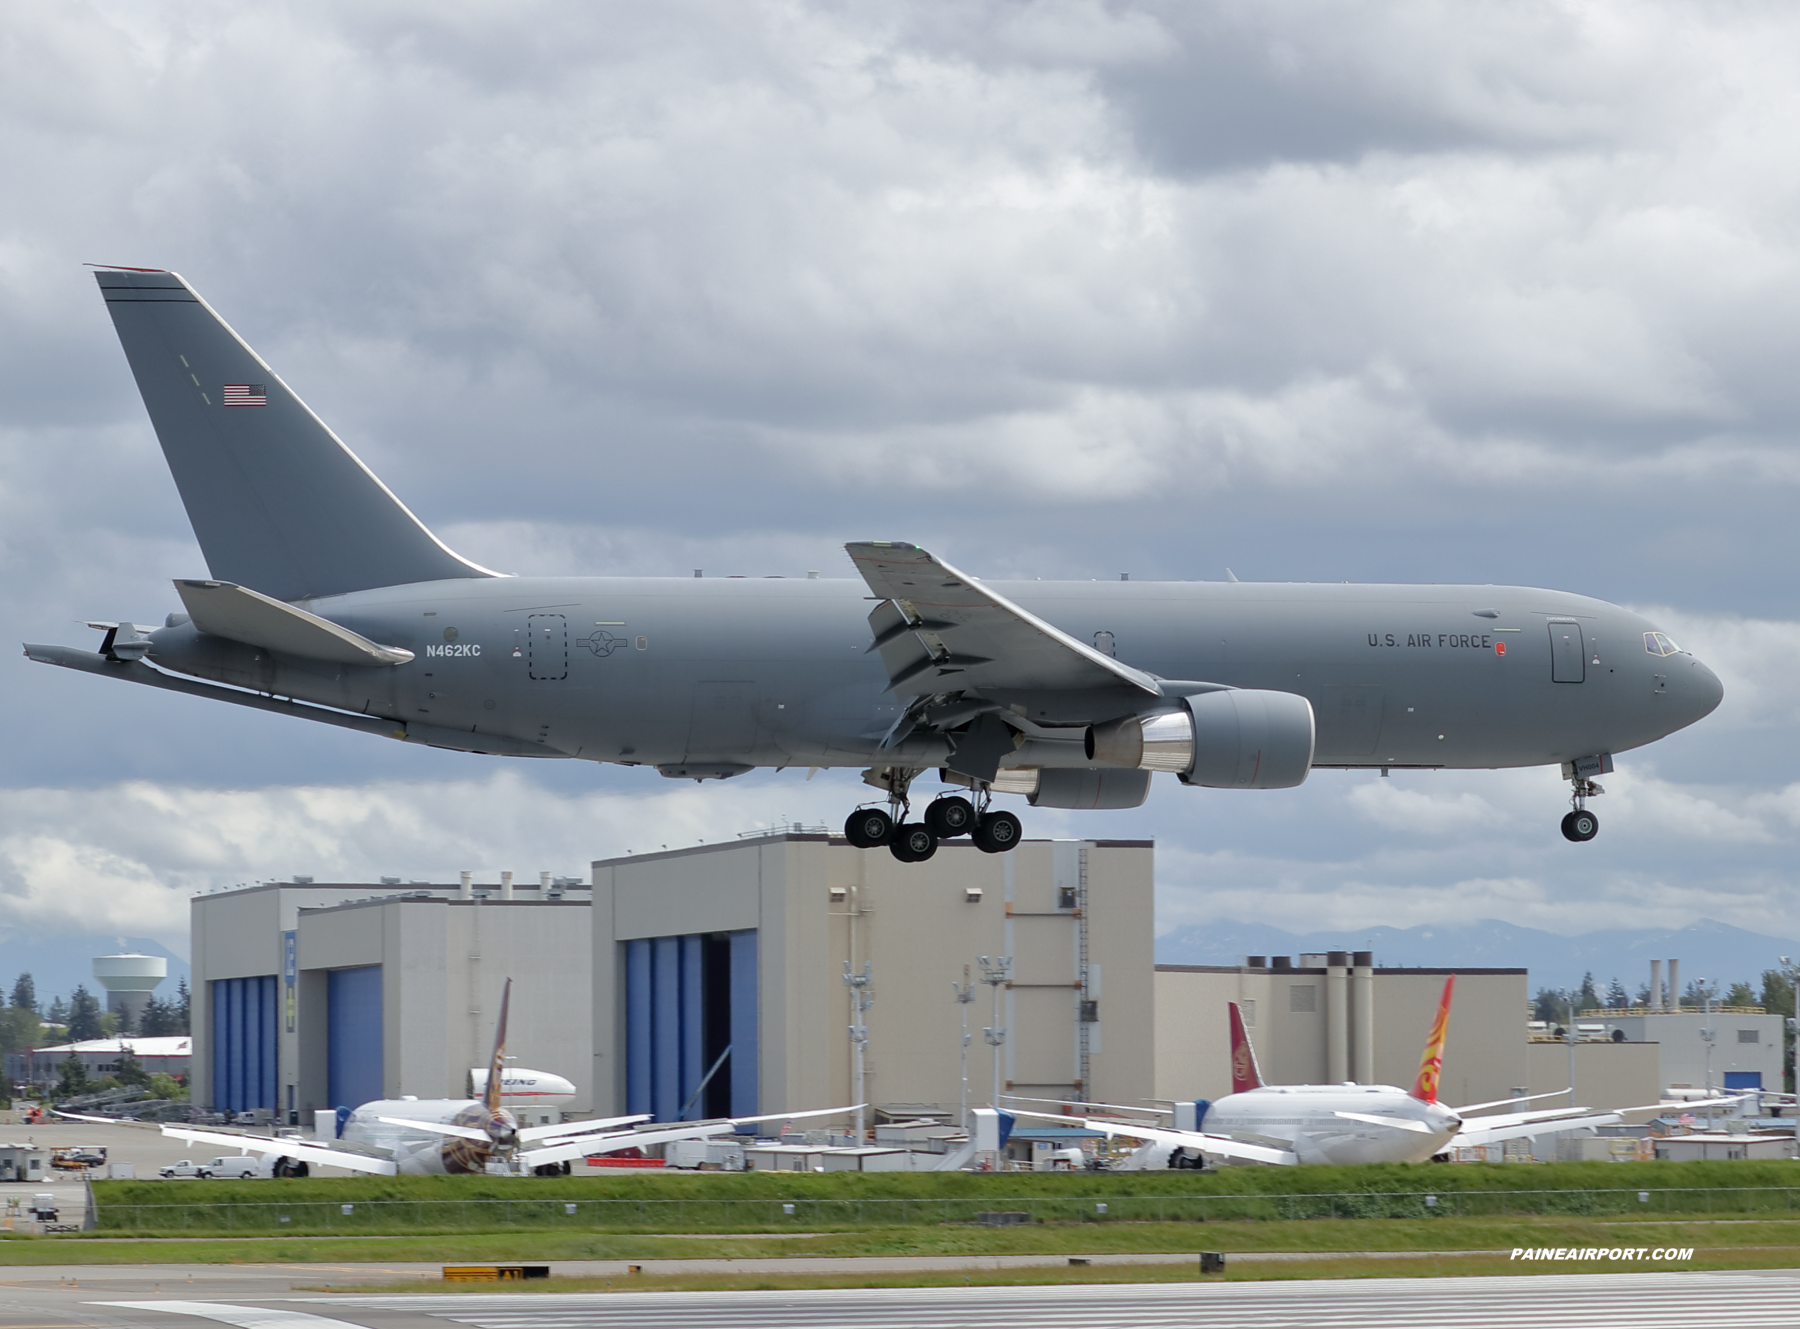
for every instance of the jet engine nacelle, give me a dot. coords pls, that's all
(1235, 738)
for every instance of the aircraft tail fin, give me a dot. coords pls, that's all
(277, 501)
(490, 1098)
(1431, 1065)
(1244, 1072)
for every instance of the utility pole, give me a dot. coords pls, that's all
(862, 997)
(965, 993)
(1791, 972)
(995, 972)
(1707, 1032)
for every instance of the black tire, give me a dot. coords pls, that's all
(298, 1169)
(998, 833)
(1581, 826)
(950, 817)
(869, 828)
(913, 842)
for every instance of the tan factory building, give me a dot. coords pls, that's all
(1335, 1017)
(719, 974)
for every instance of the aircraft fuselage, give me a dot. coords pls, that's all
(734, 673)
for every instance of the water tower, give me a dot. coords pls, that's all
(129, 980)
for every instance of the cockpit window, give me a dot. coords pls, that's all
(1657, 644)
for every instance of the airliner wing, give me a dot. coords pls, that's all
(1110, 1107)
(1218, 1146)
(438, 1128)
(939, 630)
(341, 1155)
(1472, 1137)
(563, 1151)
(569, 1130)
(1467, 1108)
(1398, 1123)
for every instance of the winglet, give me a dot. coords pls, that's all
(496, 1068)
(1431, 1065)
(1244, 1072)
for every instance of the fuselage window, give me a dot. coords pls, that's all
(1657, 644)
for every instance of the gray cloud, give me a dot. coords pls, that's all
(1395, 292)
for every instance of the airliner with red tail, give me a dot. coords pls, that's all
(1337, 1123)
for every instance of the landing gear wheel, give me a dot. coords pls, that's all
(950, 817)
(913, 843)
(1580, 826)
(997, 832)
(869, 828)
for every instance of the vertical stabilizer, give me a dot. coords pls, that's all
(277, 501)
(490, 1098)
(1431, 1065)
(1244, 1072)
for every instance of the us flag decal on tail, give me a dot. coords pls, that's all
(246, 394)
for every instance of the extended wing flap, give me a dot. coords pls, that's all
(238, 613)
(282, 1146)
(950, 631)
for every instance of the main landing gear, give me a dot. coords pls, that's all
(946, 818)
(1582, 825)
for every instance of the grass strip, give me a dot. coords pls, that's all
(1310, 1235)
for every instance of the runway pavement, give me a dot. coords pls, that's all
(1578, 1301)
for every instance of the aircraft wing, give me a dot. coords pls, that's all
(1507, 1102)
(438, 1128)
(1110, 1107)
(339, 1155)
(939, 630)
(1471, 1137)
(1398, 1123)
(1219, 1146)
(564, 1150)
(568, 1130)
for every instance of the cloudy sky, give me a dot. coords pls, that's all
(1489, 292)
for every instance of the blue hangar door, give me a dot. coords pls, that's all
(690, 1026)
(243, 1043)
(353, 1035)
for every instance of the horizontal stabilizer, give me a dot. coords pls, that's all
(238, 613)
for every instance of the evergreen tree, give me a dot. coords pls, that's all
(1740, 994)
(1587, 998)
(84, 1015)
(183, 1007)
(1694, 996)
(1616, 996)
(159, 1019)
(19, 1029)
(1777, 993)
(24, 993)
(131, 1071)
(1643, 995)
(58, 1013)
(72, 1080)
(1550, 1005)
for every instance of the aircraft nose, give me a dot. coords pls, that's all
(1703, 690)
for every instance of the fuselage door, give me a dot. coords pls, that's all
(547, 647)
(1568, 662)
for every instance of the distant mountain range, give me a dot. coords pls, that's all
(57, 964)
(1707, 949)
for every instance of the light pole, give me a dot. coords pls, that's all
(1791, 972)
(861, 998)
(994, 972)
(1707, 1032)
(965, 993)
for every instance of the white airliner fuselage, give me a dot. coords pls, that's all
(1331, 1123)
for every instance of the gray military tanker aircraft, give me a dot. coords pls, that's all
(329, 600)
